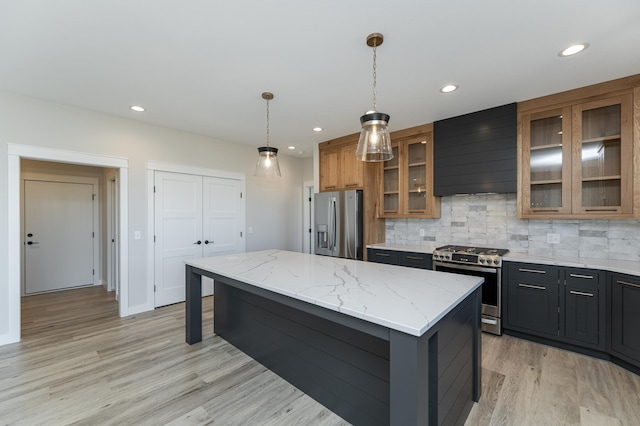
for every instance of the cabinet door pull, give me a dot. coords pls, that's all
(628, 284)
(589, 277)
(330, 186)
(546, 211)
(415, 258)
(534, 271)
(534, 287)
(349, 185)
(581, 293)
(382, 254)
(601, 210)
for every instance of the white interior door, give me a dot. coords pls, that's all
(58, 235)
(222, 220)
(178, 229)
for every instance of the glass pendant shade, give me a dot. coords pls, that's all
(375, 141)
(267, 165)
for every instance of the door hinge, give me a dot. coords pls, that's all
(154, 238)
(93, 272)
(154, 288)
(93, 197)
(309, 199)
(240, 234)
(241, 195)
(93, 235)
(309, 230)
(154, 189)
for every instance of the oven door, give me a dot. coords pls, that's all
(491, 288)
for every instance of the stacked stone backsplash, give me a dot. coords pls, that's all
(491, 221)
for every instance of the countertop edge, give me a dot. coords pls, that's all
(617, 266)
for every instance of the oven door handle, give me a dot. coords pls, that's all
(466, 267)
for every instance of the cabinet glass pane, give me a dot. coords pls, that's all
(548, 195)
(417, 178)
(391, 180)
(546, 164)
(394, 161)
(546, 131)
(417, 201)
(601, 156)
(417, 153)
(390, 202)
(601, 193)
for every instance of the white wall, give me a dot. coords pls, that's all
(273, 207)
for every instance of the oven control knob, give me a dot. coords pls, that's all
(496, 261)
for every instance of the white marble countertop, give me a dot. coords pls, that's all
(621, 266)
(404, 299)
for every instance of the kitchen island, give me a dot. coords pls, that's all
(376, 344)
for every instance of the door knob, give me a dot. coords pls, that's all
(198, 242)
(208, 242)
(30, 243)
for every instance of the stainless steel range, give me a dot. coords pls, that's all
(478, 261)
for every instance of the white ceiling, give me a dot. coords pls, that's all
(201, 65)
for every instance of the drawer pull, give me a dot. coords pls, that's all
(628, 284)
(382, 254)
(581, 293)
(589, 277)
(545, 210)
(535, 287)
(415, 258)
(534, 271)
(601, 210)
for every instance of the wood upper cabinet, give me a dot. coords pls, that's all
(577, 160)
(339, 168)
(407, 179)
(351, 169)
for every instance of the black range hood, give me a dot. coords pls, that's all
(477, 152)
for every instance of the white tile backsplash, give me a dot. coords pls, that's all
(491, 220)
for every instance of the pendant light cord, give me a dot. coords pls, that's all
(374, 75)
(268, 122)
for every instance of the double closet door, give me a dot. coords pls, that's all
(195, 216)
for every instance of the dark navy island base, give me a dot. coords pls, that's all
(366, 373)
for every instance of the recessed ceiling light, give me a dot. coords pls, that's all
(318, 129)
(449, 88)
(573, 49)
(137, 108)
(292, 147)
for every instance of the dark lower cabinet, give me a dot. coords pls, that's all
(532, 299)
(389, 257)
(559, 303)
(584, 307)
(415, 260)
(625, 317)
(401, 258)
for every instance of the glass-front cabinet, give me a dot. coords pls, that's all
(407, 179)
(577, 160)
(604, 147)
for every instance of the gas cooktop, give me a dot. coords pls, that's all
(473, 250)
(470, 255)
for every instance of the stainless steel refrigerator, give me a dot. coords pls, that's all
(338, 225)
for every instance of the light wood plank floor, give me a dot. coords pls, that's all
(79, 363)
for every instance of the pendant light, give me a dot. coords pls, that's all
(375, 141)
(267, 165)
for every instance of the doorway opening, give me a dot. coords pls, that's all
(17, 153)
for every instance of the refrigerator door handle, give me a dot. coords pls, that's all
(333, 219)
